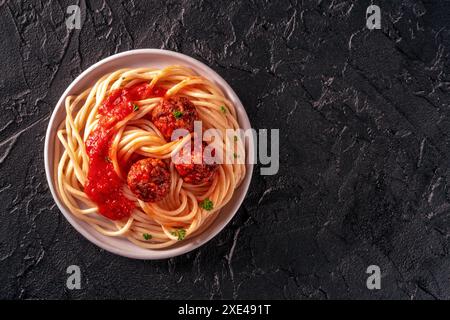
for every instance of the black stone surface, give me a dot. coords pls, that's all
(364, 151)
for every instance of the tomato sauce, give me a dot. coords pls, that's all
(103, 185)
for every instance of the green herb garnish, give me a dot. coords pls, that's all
(235, 138)
(147, 236)
(179, 233)
(177, 114)
(223, 109)
(207, 204)
(135, 107)
(235, 155)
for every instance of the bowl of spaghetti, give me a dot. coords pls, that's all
(146, 154)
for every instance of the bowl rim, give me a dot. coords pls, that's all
(149, 254)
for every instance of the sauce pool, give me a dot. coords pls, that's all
(104, 186)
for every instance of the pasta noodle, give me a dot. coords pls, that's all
(182, 213)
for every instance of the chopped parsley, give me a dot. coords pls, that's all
(179, 233)
(135, 107)
(147, 236)
(223, 109)
(235, 138)
(207, 204)
(177, 114)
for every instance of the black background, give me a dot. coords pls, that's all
(364, 169)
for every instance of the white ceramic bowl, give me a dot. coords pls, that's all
(132, 59)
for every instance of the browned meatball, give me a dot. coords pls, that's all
(149, 179)
(196, 173)
(174, 113)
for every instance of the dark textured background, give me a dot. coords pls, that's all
(364, 174)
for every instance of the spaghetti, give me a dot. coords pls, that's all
(114, 164)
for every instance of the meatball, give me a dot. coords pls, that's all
(149, 179)
(194, 173)
(174, 113)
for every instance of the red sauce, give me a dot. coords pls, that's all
(103, 185)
